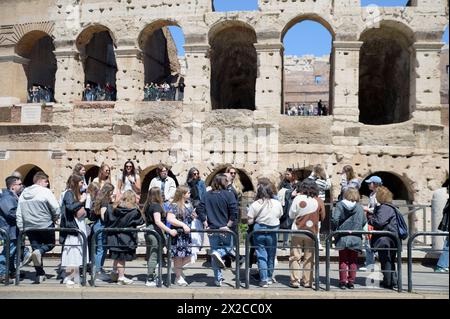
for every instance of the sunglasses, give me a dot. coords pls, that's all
(129, 166)
(233, 173)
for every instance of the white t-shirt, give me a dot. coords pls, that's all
(127, 185)
(270, 215)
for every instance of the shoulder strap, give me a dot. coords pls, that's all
(260, 210)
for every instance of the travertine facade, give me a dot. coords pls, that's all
(413, 149)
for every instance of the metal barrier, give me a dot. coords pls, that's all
(208, 232)
(375, 232)
(125, 230)
(281, 231)
(410, 243)
(21, 238)
(7, 244)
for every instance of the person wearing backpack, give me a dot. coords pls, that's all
(442, 264)
(384, 218)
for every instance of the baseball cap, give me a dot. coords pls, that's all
(374, 179)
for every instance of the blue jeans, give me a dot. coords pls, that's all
(12, 255)
(370, 255)
(266, 250)
(443, 259)
(100, 252)
(222, 244)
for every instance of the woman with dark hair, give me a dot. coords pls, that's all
(80, 170)
(384, 218)
(196, 186)
(129, 180)
(155, 219)
(73, 216)
(265, 213)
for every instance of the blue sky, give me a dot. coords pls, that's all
(307, 37)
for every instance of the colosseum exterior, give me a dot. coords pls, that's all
(391, 123)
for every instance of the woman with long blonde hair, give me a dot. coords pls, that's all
(104, 175)
(180, 216)
(122, 246)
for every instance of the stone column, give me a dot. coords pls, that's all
(130, 74)
(269, 82)
(69, 82)
(427, 94)
(198, 77)
(344, 90)
(13, 83)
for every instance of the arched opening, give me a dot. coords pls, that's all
(307, 67)
(96, 46)
(233, 66)
(395, 183)
(28, 171)
(243, 176)
(91, 173)
(385, 80)
(37, 47)
(164, 64)
(146, 177)
(234, 5)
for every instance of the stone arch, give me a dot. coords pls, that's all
(146, 176)
(28, 171)
(159, 52)
(233, 65)
(386, 74)
(96, 44)
(91, 172)
(37, 48)
(400, 186)
(244, 176)
(322, 72)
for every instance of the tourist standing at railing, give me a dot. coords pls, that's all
(128, 180)
(348, 215)
(122, 246)
(384, 218)
(323, 182)
(38, 208)
(155, 219)
(73, 216)
(104, 175)
(374, 182)
(165, 183)
(265, 213)
(102, 203)
(80, 170)
(442, 264)
(180, 216)
(220, 209)
(348, 179)
(286, 195)
(305, 214)
(8, 206)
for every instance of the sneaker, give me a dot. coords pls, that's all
(181, 282)
(218, 283)
(71, 284)
(26, 258)
(216, 256)
(151, 283)
(342, 285)
(294, 284)
(350, 285)
(40, 279)
(101, 275)
(264, 284)
(124, 281)
(272, 281)
(3, 280)
(114, 276)
(440, 269)
(36, 256)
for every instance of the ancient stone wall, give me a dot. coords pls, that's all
(190, 133)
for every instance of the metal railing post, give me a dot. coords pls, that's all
(169, 262)
(327, 260)
(6, 247)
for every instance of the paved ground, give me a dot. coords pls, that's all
(427, 284)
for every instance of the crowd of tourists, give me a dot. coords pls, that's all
(174, 211)
(163, 91)
(97, 92)
(40, 94)
(305, 109)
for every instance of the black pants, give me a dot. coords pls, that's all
(44, 241)
(387, 260)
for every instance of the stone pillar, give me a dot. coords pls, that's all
(427, 94)
(130, 74)
(269, 89)
(198, 77)
(13, 83)
(69, 82)
(345, 87)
